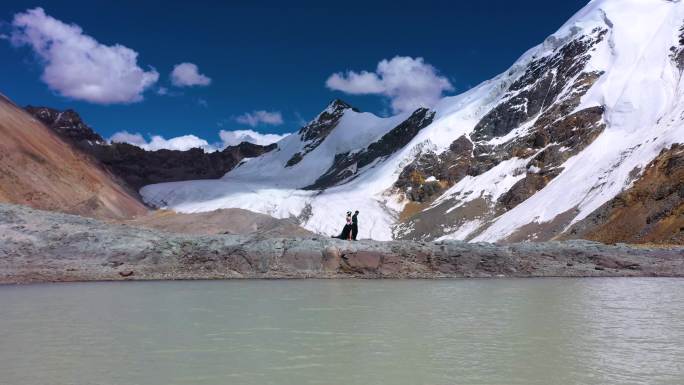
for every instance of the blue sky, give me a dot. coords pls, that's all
(266, 57)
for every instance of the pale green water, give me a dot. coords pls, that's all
(542, 331)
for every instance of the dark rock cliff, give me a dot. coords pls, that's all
(68, 124)
(138, 167)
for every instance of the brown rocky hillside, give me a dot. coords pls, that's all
(39, 169)
(651, 211)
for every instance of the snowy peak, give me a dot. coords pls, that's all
(325, 121)
(318, 129)
(348, 165)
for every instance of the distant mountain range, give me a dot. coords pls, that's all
(52, 160)
(138, 167)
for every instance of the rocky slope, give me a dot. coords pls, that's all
(651, 211)
(532, 154)
(138, 167)
(224, 221)
(39, 169)
(38, 246)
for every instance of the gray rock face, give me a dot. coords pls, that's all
(39, 246)
(447, 168)
(543, 81)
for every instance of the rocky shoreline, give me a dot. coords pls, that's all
(41, 246)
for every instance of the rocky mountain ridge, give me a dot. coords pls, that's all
(68, 124)
(318, 129)
(138, 167)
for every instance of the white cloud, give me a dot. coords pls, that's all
(76, 65)
(158, 142)
(232, 138)
(187, 75)
(356, 83)
(127, 137)
(409, 83)
(164, 91)
(186, 142)
(255, 118)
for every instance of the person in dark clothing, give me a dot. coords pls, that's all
(355, 225)
(347, 230)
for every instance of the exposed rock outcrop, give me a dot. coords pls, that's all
(678, 51)
(38, 246)
(651, 211)
(429, 174)
(68, 124)
(138, 167)
(542, 83)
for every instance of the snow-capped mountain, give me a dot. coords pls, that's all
(530, 154)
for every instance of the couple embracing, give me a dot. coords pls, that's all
(351, 228)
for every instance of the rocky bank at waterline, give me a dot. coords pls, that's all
(41, 246)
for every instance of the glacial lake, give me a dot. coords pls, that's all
(493, 332)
